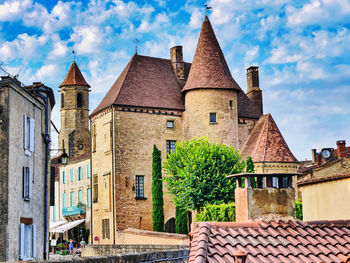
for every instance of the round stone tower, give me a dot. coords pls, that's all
(210, 93)
(74, 136)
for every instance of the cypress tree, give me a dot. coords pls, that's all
(157, 191)
(181, 220)
(251, 169)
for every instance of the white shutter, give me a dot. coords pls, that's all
(31, 135)
(30, 182)
(21, 241)
(25, 132)
(34, 240)
(275, 182)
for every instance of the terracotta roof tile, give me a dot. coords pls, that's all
(266, 143)
(74, 77)
(292, 241)
(209, 68)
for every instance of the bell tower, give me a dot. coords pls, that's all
(74, 136)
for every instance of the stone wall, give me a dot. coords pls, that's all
(200, 103)
(4, 150)
(245, 127)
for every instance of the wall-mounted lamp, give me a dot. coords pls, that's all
(63, 157)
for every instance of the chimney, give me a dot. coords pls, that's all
(314, 155)
(254, 92)
(272, 199)
(341, 148)
(177, 62)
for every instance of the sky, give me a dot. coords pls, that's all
(302, 49)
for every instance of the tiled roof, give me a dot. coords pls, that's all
(323, 179)
(74, 77)
(146, 82)
(209, 68)
(266, 143)
(292, 241)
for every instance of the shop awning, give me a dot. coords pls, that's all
(53, 225)
(65, 227)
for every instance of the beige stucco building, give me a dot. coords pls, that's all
(324, 184)
(162, 101)
(24, 174)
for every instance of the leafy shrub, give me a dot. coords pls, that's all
(181, 220)
(299, 209)
(60, 246)
(217, 212)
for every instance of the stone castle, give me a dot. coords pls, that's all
(161, 101)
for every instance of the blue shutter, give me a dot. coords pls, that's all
(64, 200)
(88, 171)
(78, 174)
(21, 241)
(64, 177)
(89, 197)
(71, 175)
(34, 240)
(80, 196)
(71, 199)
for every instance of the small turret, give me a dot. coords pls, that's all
(254, 92)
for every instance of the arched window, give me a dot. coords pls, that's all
(80, 100)
(170, 226)
(62, 100)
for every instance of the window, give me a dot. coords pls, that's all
(80, 100)
(80, 196)
(80, 173)
(27, 183)
(170, 124)
(88, 172)
(140, 193)
(105, 228)
(94, 138)
(71, 175)
(212, 117)
(29, 125)
(71, 199)
(89, 197)
(231, 103)
(95, 189)
(62, 100)
(27, 242)
(275, 182)
(170, 146)
(64, 200)
(64, 177)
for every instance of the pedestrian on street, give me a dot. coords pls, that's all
(71, 247)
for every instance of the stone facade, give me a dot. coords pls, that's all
(19, 204)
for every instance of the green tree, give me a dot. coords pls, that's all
(217, 212)
(299, 209)
(181, 220)
(197, 172)
(251, 169)
(157, 191)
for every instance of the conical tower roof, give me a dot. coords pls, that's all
(209, 69)
(74, 77)
(266, 143)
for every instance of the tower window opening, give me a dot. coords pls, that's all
(212, 117)
(80, 100)
(231, 102)
(62, 100)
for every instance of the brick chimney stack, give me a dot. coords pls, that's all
(177, 62)
(341, 148)
(254, 92)
(272, 199)
(314, 155)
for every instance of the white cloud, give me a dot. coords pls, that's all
(12, 10)
(45, 73)
(251, 54)
(60, 49)
(196, 18)
(86, 38)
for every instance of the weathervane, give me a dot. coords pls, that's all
(136, 42)
(207, 7)
(73, 52)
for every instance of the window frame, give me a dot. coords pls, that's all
(172, 124)
(28, 135)
(27, 183)
(140, 187)
(95, 189)
(211, 115)
(170, 146)
(27, 235)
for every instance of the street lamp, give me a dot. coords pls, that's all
(63, 157)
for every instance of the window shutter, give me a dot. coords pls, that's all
(24, 182)
(21, 241)
(81, 173)
(103, 229)
(34, 240)
(78, 174)
(25, 132)
(107, 228)
(30, 183)
(31, 135)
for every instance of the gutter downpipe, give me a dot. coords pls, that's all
(113, 175)
(47, 142)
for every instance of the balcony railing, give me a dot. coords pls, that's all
(74, 210)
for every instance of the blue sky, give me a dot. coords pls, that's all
(301, 47)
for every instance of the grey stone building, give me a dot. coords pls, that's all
(24, 174)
